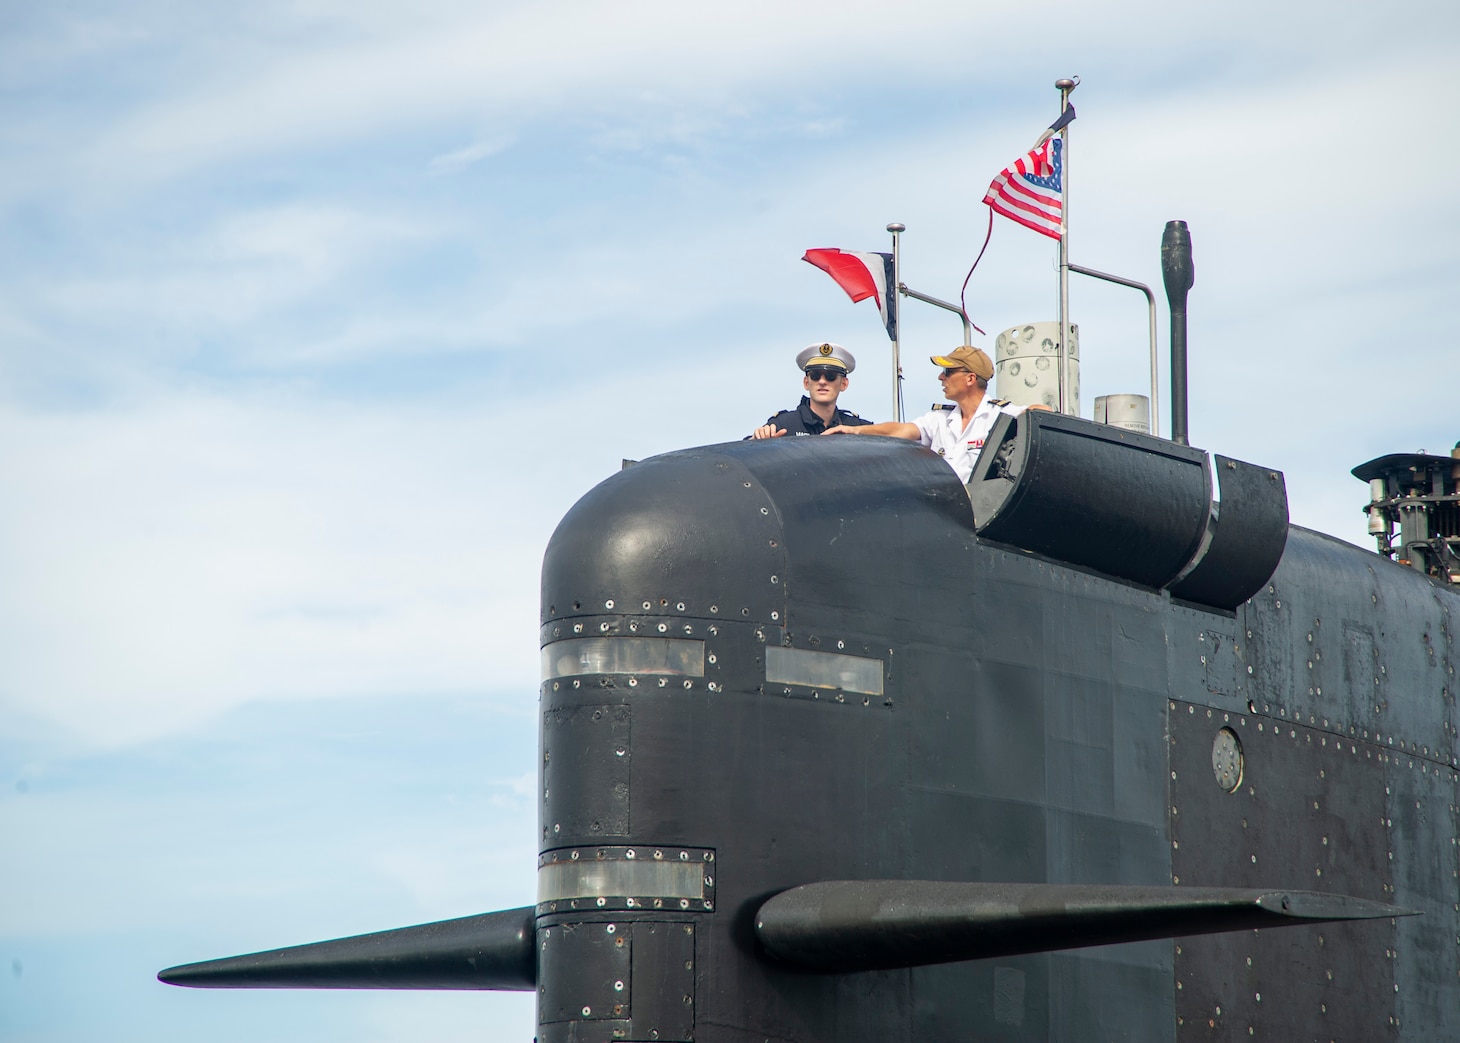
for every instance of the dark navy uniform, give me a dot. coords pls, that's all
(802, 421)
(831, 364)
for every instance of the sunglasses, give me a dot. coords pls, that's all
(953, 372)
(823, 373)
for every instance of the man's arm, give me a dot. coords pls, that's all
(890, 427)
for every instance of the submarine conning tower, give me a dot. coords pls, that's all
(742, 645)
(1414, 510)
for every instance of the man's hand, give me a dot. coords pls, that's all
(768, 431)
(840, 429)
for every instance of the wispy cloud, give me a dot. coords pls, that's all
(460, 159)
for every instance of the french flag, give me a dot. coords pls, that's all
(862, 275)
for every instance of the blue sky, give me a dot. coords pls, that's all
(315, 317)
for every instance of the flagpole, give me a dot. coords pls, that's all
(1067, 394)
(896, 228)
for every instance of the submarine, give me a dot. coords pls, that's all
(834, 747)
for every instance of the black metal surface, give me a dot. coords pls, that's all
(1179, 274)
(1339, 812)
(1041, 724)
(586, 972)
(1383, 466)
(491, 951)
(654, 534)
(858, 925)
(1246, 539)
(587, 761)
(1116, 501)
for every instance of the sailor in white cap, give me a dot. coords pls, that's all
(955, 433)
(825, 366)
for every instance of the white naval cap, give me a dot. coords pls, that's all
(825, 354)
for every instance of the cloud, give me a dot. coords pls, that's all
(182, 557)
(510, 66)
(459, 159)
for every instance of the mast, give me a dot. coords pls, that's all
(1067, 394)
(896, 228)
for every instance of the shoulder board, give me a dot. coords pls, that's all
(946, 407)
(848, 412)
(998, 401)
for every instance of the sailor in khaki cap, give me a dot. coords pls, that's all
(825, 366)
(957, 433)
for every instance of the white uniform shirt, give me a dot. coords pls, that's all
(942, 431)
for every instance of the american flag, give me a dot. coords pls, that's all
(1029, 191)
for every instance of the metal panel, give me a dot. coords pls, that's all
(587, 756)
(1122, 503)
(1246, 539)
(584, 972)
(664, 982)
(1309, 815)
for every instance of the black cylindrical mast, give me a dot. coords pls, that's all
(1176, 268)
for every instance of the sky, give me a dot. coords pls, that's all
(315, 317)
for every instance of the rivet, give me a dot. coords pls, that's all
(608, 603)
(763, 510)
(611, 928)
(587, 1011)
(618, 986)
